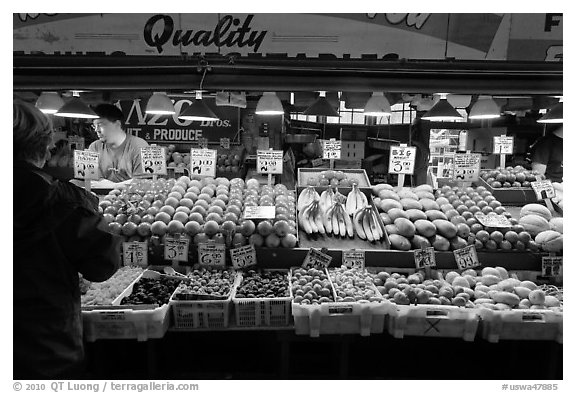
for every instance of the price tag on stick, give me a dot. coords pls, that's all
(354, 259)
(86, 164)
(503, 144)
(243, 257)
(401, 161)
(331, 149)
(203, 162)
(466, 167)
(212, 254)
(552, 266)
(176, 248)
(316, 259)
(269, 162)
(153, 160)
(544, 190)
(466, 258)
(425, 258)
(135, 253)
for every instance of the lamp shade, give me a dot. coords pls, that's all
(442, 111)
(377, 105)
(160, 104)
(198, 111)
(76, 108)
(484, 108)
(554, 115)
(321, 107)
(49, 102)
(269, 104)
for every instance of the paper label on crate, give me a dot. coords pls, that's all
(543, 189)
(354, 259)
(76, 142)
(552, 266)
(243, 256)
(86, 164)
(316, 259)
(269, 161)
(135, 253)
(112, 315)
(503, 144)
(331, 149)
(466, 258)
(225, 143)
(176, 248)
(340, 309)
(203, 143)
(466, 167)
(153, 160)
(259, 212)
(317, 162)
(212, 254)
(401, 160)
(203, 162)
(493, 220)
(424, 257)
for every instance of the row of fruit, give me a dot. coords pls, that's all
(332, 178)
(508, 177)
(547, 230)
(206, 284)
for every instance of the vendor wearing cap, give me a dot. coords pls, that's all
(119, 152)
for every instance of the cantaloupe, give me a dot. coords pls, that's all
(534, 224)
(557, 224)
(550, 241)
(536, 209)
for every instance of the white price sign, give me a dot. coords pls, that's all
(354, 259)
(153, 160)
(402, 160)
(425, 257)
(243, 256)
(76, 142)
(551, 266)
(203, 143)
(493, 220)
(466, 258)
(203, 162)
(543, 189)
(316, 259)
(269, 161)
(212, 254)
(503, 144)
(331, 149)
(259, 212)
(466, 167)
(86, 164)
(176, 248)
(135, 253)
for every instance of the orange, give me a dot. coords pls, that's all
(175, 194)
(200, 238)
(175, 226)
(214, 217)
(115, 228)
(196, 217)
(181, 216)
(144, 229)
(281, 228)
(163, 217)
(272, 241)
(129, 228)
(182, 209)
(231, 217)
(170, 210)
(228, 226)
(247, 227)
(211, 228)
(256, 239)
(289, 241)
(264, 228)
(187, 202)
(192, 228)
(121, 218)
(199, 209)
(171, 201)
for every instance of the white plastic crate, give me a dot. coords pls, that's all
(498, 325)
(432, 320)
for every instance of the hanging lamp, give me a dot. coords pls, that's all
(443, 111)
(198, 110)
(49, 102)
(269, 104)
(321, 107)
(160, 104)
(377, 105)
(554, 115)
(75, 107)
(484, 108)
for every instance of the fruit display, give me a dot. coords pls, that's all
(492, 288)
(332, 178)
(103, 293)
(510, 177)
(559, 198)
(547, 230)
(228, 164)
(265, 284)
(206, 284)
(151, 291)
(354, 285)
(175, 159)
(311, 286)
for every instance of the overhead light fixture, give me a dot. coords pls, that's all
(484, 108)
(443, 111)
(160, 104)
(554, 115)
(198, 111)
(75, 107)
(377, 105)
(269, 104)
(321, 107)
(49, 102)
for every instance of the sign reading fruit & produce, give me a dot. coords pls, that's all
(86, 164)
(135, 253)
(466, 258)
(331, 149)
(269, 161)
(402, 160)
(259, 212)
(503, 144)
(203, 162)
(212, 254)
(176, 248)
(153, 160)
(425, 257)
(353, 259)
(466, 167)
(543, 189)
(316, 259)
(243, 256)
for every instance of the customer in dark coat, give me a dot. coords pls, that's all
(58, 233)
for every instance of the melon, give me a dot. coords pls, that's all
(534, 224)
(556, 224)
(550, 241)
(536, 209)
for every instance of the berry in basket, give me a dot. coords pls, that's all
(311, 286)
(206, 284)
(151, 291)
(354, 285)
(265, 284)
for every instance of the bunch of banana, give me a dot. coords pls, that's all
(310, 218)
(355, 201)
(307, 196)
(327, 199)
(337, 221)
(366, 224)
